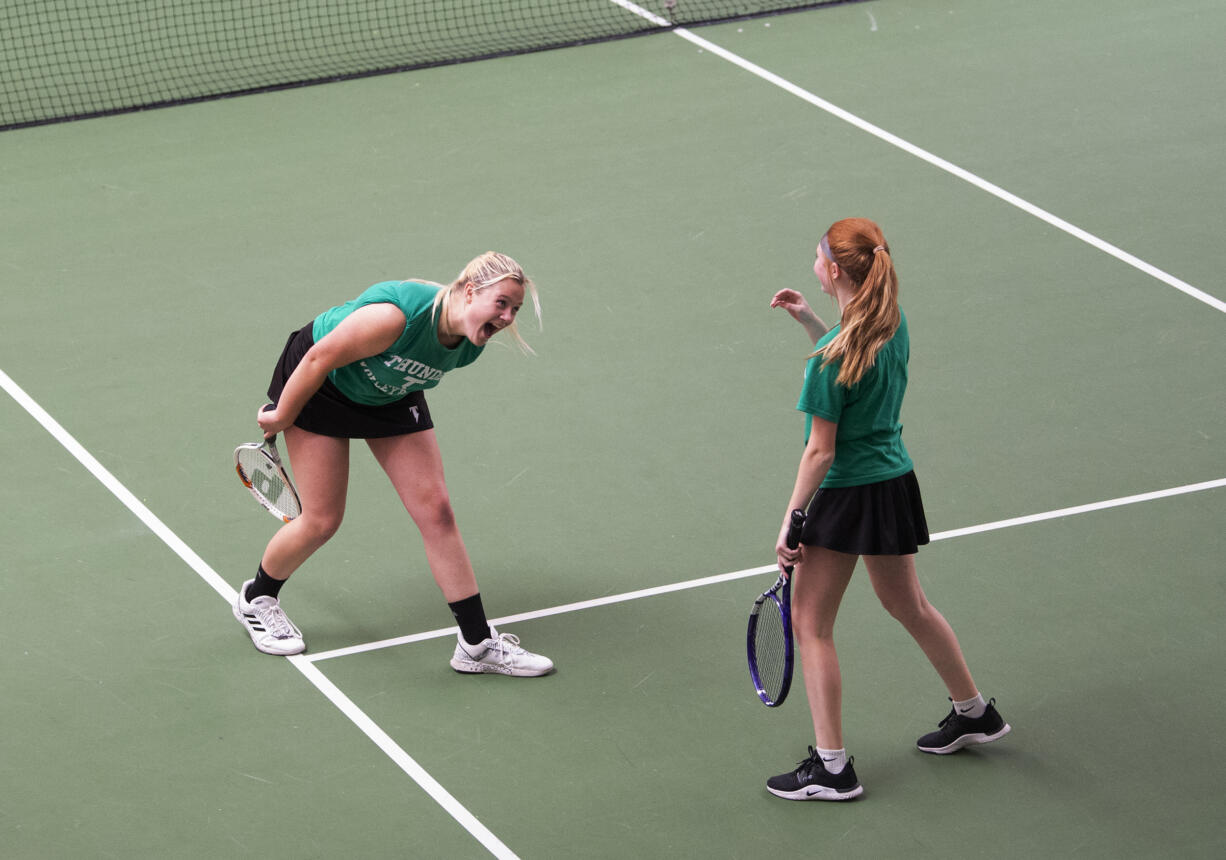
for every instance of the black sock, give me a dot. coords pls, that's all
(263, 585)
(470, 615)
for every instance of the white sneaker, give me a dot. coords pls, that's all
(502, 654)
(267, 624)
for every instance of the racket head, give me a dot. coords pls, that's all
(768, 643)
(259, 468)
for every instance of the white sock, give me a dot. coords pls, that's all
(833, 760)
(973, 708)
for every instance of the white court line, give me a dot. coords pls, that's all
(368, 727)
(1082, 509)
(406, 762)
(120, 492)
(543, 613)
(935, 160)
(769, 568)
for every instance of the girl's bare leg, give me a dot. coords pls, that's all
(898, 588)
(818, 584)
(415, 466)
(321, 472)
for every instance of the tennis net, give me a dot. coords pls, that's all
(71, 59)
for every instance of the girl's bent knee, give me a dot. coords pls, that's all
(320, 528)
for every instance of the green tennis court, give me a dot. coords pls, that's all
(1049, 177)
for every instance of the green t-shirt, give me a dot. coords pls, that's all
(415, 362)
(868, 442)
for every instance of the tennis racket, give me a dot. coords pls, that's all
(768, 642)
(259, 468)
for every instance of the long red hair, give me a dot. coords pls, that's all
(872, 316)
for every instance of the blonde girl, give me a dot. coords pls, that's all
(359, 371)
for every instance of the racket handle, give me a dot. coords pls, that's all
(272, 440)
(795, 525)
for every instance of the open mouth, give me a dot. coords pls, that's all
(489, 330)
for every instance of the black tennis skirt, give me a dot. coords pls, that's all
(886, 518)
(331, 413)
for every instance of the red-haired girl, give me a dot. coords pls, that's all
(858, 487)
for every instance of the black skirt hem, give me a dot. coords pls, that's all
(884, 518)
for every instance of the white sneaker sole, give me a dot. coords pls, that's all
(476, 667)
(817, 792)
(967, 741)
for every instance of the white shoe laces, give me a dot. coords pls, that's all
(275, 621)
(506, 647)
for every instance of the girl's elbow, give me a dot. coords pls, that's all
(819, 459)
(317, 363)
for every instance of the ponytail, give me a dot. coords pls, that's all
(872, 316)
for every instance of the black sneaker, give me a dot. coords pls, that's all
(811, 781)
(956, 731)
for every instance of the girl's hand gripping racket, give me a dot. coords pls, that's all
(769, 639)
(259, 468)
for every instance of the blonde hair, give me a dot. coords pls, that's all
(872, 316)
(483, 272)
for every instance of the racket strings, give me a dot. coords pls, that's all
(770, 649)
(268, 482)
